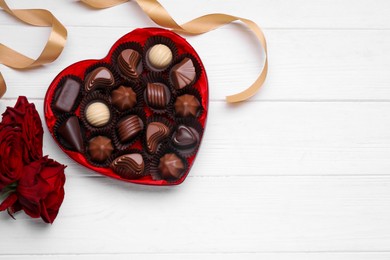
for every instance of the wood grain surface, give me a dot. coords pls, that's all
(300, 171)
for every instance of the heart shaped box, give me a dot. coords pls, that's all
(79, 70)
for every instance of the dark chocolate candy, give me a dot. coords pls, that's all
(155, 133)
(171, 167)
(99, 77)
(187, 105)
(68, 95)
(100, 148)
(129, 166)
(123, 98)
(71, 132)
(157, 95)
(185, 138)
(183, 73)
(129, 127)
(129, 63)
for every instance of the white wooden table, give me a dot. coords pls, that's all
(301, 171)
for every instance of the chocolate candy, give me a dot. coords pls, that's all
(157, 95)
(129, 127)
(100, 148)
(185, 138)
(100, 77)
(129, 63)
(183, 73)
(123, 98)
(70, 131)
(155, 133)
(129, 166)
(97, 114)
(171, 167)
(68, 95)
(159, 56)
(187, 105)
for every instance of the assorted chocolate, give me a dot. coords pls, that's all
(137, 116)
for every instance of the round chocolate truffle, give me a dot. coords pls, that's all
(160, 56)
(129, 127)
(129, 166)
(97, 114)
(100, 148)
(123, 98)
(187, 105)
(171, 167)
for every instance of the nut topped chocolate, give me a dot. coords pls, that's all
(100, 148)
(99, 77)
(123, 98)
(187, 105)
(129, 63)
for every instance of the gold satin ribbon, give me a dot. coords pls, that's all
(156, 12)
(200, 25)
(53, 48)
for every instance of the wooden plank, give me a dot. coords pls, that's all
(298, 138)
(211, 215)
(304, 64)
(269, 14)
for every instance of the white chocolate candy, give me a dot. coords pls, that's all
(97, 114)
(160, 56)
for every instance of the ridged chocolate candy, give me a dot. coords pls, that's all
(100, 148)
(185, 138)
(155, 133)
(123, 98)
(71, 132)
(99, 77)
(157, 95)
(129, 127)
(171, 167)
(97, 114)
(187, 105)
(183, 73)
(129, 166)
(159, 56)
(129, 63)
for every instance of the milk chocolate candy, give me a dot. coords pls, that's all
(129, 63)
(100, 148)
(183, 73)
(129, 127)
(99, 77)
(157, 95)
(129, 166)
(67, 96)
(171, 167)
(155, 133)
(123, 98)
(187, 105)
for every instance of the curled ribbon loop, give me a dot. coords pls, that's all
(200, 25)
(53, 48)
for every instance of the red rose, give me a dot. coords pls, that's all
(25, 116)
(40, 191)
(11, 150)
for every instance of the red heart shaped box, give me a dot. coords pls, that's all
(78, 69)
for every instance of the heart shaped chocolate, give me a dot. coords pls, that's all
(137, 115)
